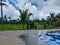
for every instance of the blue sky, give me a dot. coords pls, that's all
(39, 8)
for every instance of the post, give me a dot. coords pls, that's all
(2, 15)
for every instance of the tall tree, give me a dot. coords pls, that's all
(44, 23)
(24, 16)
(58, 15)
(52, 18)
(9, 19)
(1, 4)
(5, 19)
(58, 19)
(48, 20)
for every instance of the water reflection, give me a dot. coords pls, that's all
(32, 38)
(51, 38)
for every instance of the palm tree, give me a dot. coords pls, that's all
(52, 18)
(48, 20)
(52, 15)
(2, 12)
(58, 15)
(27, 19)
(5, 19)
(9, 19)
(24, 16)
(58, 19)
(44, 23)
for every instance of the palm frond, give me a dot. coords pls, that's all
(24, 15)
(3, 4)
(20, 11)
(52, 15)
(30, 14)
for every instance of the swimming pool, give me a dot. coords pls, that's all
(51, 38)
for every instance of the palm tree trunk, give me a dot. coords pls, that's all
(27, 26)
(23, 25)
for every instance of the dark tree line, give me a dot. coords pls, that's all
(54, 19)
(8, 20)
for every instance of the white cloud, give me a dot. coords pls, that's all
(32, 9)
(52, 6)
(25, 4)
(21, 4)
(42, 11)
(9, 10)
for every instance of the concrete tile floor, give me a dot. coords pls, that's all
(11, 38)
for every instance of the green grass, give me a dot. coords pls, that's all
(20, 27)
(13, 27)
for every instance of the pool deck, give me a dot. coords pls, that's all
(12, 37)
(53, 30)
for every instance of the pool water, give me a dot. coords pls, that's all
(51, 38)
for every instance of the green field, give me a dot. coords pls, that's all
(20, 27)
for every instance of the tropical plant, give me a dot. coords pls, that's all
(24, 16)
(58, 19)
(9, 19)
(44, 23)
(32, 25)
(52, 19)
(5, 19)
(48, 20)
(58, 15)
